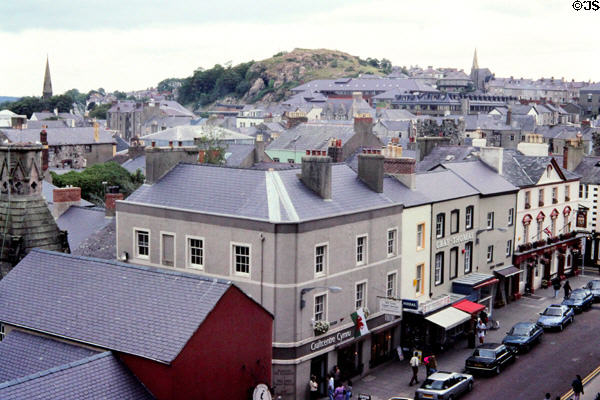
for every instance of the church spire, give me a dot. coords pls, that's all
(47, 92)
(475, 63)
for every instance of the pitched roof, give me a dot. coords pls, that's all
(100, 376)
(59, 136)
(108, 304)
(81, 223)
(133, 164)
(101, 244)
(521, 170)
(364, 84)
(312, 136)
(444, 154)
(481, 177)
(589, 170)
(189, 132)
(23, 354)
(236, 154)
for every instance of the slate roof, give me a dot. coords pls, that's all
(59, 136)
(364, 84)
(481, 177)
(59, 123)
(24, 354)
(236, 154)
(134, 164)
(100, 376)
(48, 194)
(189, 132)
(108, 304)
(589, 170)
(561, 131)
(312, 136)
(101, 244)
(595, 87)
(121, 144)
(523, 171)
(396, 126)
(444, 154)
(396, 115)
(81, 223)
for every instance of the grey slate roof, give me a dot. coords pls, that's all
(108, 304)
(100, 376)
(81, 223)
(312, 136)
(121, 144)
(101, 244)
(444, 154)
(24, 354)
(364, 84)
(589, 170)
(481, 177)
(59, 136)
(522, 171)
(134, 164)
(236, 154)
(49, 123)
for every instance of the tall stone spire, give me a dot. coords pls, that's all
(475, 63)
(47, 92)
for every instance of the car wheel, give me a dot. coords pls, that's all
(539, 339)
(470, 386)
(451, 397)
(561, 327)
(497, 370)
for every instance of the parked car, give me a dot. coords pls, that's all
(594, 287)
(523, 336)
(489, 357)
(444, 385)
(556, 316)
(579, 299)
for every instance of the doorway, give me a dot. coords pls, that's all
(318, 368)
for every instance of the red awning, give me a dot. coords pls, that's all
(469, 307)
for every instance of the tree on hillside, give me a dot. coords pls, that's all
(99, 111)
(120, 95)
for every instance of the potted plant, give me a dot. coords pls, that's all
(321, 327)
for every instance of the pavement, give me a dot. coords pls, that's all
(392, 379)
(591, 386)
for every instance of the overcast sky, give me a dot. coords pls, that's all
(134, 44)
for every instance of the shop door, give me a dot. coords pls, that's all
(381, 347)
(318, 368)
(561, 265)
(350, 360)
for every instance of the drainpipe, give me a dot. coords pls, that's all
(262, 265)
(431, 249)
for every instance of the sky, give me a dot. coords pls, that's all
(134, 44)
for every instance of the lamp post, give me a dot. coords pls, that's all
(332, 289)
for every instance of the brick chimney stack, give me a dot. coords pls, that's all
(63, 198)
(111, 197)
(335, 150)
(402, 168)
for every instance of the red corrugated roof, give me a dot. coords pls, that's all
(468, 306)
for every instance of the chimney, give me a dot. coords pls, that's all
(363, 124)
(585, 123)
(492, 156)
(335, 150)
(259, 148)
(96, 132)
(160, 160)
(371, 170)
(110, 199)
(44, 142)
(573, 153)
(509, 116)
(316, 174)
(63, 198)
(402, 168)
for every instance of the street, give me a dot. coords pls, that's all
(548, 367)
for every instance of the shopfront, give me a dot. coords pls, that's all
(382, 349)
(508, 287)
(478, 288)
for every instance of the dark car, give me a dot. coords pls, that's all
(556, 316)
(523, 336)
(489, 357)
(594, 287)
(579, 300)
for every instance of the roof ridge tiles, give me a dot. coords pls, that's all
(134, 266)
(53, 370)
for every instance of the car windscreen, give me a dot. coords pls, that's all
(594, 285)
(432, 384)
(553, 312)
(485, 353)
(520, 330)
(578, 295)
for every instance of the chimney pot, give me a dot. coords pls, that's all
(308, 152)
(170, 143)
(110, 204)
(180, 143)
(153, 143)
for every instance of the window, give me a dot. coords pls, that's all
(142, 243)
(391, 241)
(320, 307)
(361, 249)
(290, 160)
(490, 220)
(554, 195)
(391, 285)
(361, 294)
(439, 268)
(320, 259)
(526, 233)
(528, 199)
(453, 262)
(508, 248)
(241, 259)
(566, 225)
(553, 226)
(2, 332)
(420, 236)
(490, 253)
(440, 222)
(454, 217)
(469, 218)
(195, 252)
(541, 197)
(540, 229)
(419, 278)
(167, 249)
(468, 257)
(275, 159)
(88, 148)
(511, 216)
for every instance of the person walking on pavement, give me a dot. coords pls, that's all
(414, 364)
(330, 386)
(314, 387)
(556, 286)
(547, 396)
(577, 386)
(481, 331)
(567, 288)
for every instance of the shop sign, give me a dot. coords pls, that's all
(456, 239)
(261, 392)
(410, 304)
(435, 304)
(581, 219)
(332, 340)
(390, 306)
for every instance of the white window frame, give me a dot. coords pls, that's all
(160, 247)
(421, 242)
(454, 221)
(490, 253)
(469, 211)
(135, 243)
(490, 221)
(325, 259)
(394, 292)
(511, 216)
(468, 255)
(364, 295)
(365, 249)
(188, 252)
(324, 312)
(440, 267)
(232, 258)
(420, 279)
(509, 248)
(439, 234)
(394, 244)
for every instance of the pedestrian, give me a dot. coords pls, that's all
(547, 396)
(348, 389)
(414, 364)
(337, 375)
(556, 286)
(314, 388)
(339, 393)
(567, 288)
(433, 368)
(483, 316)
(330, 386)
(577, 386)
(481, 331)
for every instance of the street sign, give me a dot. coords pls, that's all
(410, 304)
(390, 306)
